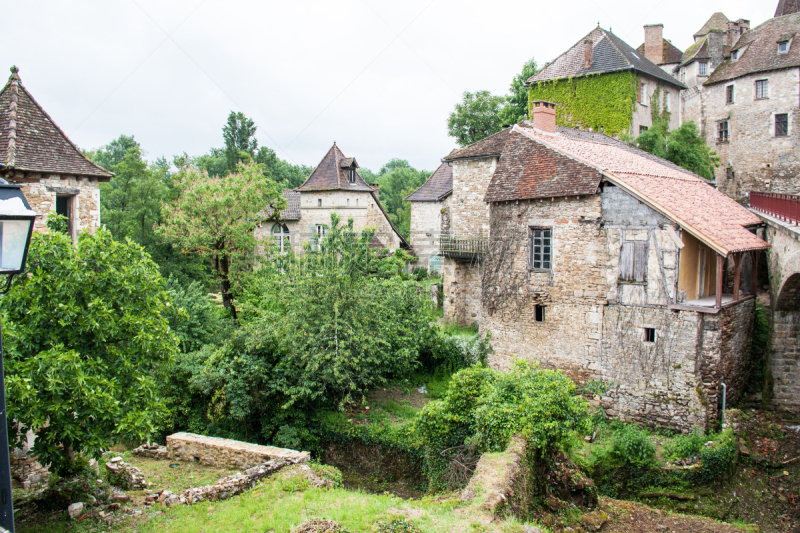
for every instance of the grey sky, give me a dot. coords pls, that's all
(379, 77)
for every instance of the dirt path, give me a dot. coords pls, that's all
(632, 517)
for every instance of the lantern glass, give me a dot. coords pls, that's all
(13, 243)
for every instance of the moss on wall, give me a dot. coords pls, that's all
(602, 102)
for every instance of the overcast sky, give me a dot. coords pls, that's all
(380, 77)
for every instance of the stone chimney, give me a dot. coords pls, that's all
(544, 116)
(587, 53)
(654, 43)
(735, 30)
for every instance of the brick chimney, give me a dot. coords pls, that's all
(587, 53)
(654, 43)
(544, 116)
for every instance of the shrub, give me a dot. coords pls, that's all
(632, 445)
(419, 274)
(397, 525)
(684, 446)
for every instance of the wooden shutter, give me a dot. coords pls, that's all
(640, 261)
(633, 261)
(626, 261)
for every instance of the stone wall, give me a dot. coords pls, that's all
(642, 114)
(227, 453)
(462, 291)
(426, 227)
(41, 191)
(754, 159)
(784, 363)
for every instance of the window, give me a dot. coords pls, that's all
(729, 94)
(436, 263)
(540, 249)
(319, 202)
(633, 261)
(683, 75)
(351, 175)
(702, 69)
(666, 100)
(642, 129)
(781, 125)
(762, 89)
(348, 201)
(539, 313)
(722, 132)
(64, 208)
(281, 235)
(649, 334)
(783, 47)
(320, 230)
(735, 56)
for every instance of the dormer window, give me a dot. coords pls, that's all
(783, 48)
(735, 56)
(351, 175)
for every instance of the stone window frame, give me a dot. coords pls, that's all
(730, 94)
(532, 248)
(702, 68)
(726, 138)
(762, 86)
(785, 122)
(649, 333)
(539, 314)
(283, 237)
(71, 197)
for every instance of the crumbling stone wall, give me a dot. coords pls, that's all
(41, 191)
(462, 291)
(215, 451)
(755, 159)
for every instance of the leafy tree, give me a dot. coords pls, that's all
(239, 136)
(87, 342)
(516, 108)
(683, 146)
(114, 152)
(288, 175)
(398, 179)
(216, 218)
(475, 118)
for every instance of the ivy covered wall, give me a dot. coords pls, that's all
(604, 101)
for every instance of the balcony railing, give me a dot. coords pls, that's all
(463, 246)
(783, 206)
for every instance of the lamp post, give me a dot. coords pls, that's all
(16, 228)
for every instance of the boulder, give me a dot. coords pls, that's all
(75, 510)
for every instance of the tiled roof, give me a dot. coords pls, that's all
(330, 174)
(439, 185)
(491, 146)
(31, 141)
(717, 22)
(685, 198)
(787, 7)
(758, 50)
(698, 50)
(609, 54)
(292, 211)
(669, 54)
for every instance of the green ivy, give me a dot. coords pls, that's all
(601, 102)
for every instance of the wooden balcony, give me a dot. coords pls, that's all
(463, 246)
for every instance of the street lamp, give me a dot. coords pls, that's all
(16, 228)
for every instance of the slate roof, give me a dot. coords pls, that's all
(717, 22)
(438, 186)
(669, 54)
(491, 146)
(683, 197)
(609, 54)
(787, 7)
(292, 211)
(331, 175)
(759, 50)
(30, 140)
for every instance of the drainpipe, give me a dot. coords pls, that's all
(724, 394)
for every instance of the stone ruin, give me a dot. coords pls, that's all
(26, 472)
(121, 474)
(227, 453)
(151, 451)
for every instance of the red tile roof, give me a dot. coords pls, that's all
(678, 194)
(30, 140)
(491, 146)
(758, 50)
(439, 185)
(331, 175)
(669, 53)
(292, 211)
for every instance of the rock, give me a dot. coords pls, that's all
(75, 510)
(171, 500)
(117, 459)
(531, 529)
(594, 521)
(743, 450)
(114, 507)
(120, 497)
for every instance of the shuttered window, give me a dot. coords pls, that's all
(633, 261)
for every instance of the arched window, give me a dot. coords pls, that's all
(281, 235)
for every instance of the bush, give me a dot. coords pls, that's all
(419, 274)
(684, 446)
(632, 445)
(397, 525)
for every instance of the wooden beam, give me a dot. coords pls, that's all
(720, 272)
(754, 260)
(737, 274)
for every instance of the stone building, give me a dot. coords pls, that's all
(334, 186)
(601, 83)
(608, 263)
(430, 216)
(751, 113)
(55, 175)
(658, 50)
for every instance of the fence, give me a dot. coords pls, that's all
(783, 206)
(463, 245)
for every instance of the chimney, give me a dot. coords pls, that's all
(544, 116)
(654, 43)
(587, 53)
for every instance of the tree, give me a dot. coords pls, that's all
(87, 341)
(114, 152)
(239, 136)
(516, 108)
(475, 118)
(398, 179)
(216, 218)
(683, 146)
